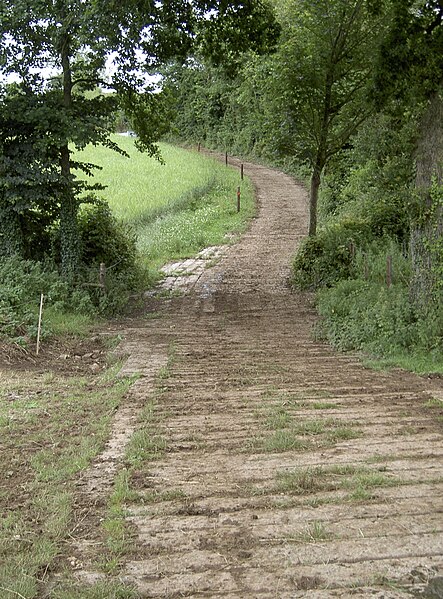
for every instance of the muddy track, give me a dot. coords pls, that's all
(290, 470)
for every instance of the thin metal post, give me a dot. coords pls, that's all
(238, 199)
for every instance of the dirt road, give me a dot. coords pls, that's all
(287, 469)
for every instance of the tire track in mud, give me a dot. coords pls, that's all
(290, 470)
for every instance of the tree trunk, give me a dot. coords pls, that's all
(11, 234)
(313, 200)
(427, 231)
(321, 153)
(69, 233)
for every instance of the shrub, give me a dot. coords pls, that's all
(361, 315)
(368, 316)
(326, 258)
(106, 239)
(21, 284)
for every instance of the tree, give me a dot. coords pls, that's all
(28, 171)
(410, 70)
(75, 38)
(322, 80)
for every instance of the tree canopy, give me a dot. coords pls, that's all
(57, 53)
(323, 77)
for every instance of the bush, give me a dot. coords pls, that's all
(327, 258)
(21, 284)
(368, 316)
(361, 315)
(105, 239)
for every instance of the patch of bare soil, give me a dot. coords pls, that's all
(71, 355)
(290, 470)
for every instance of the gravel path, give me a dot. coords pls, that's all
(290, 470)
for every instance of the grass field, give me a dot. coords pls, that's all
(176, 208)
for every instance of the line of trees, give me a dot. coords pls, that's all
(350, 90)
(353, 93)
(53, 58)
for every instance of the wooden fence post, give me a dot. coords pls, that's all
(388, 271)
(39, 329)
(102, 276)
(241, 171)
(238, 199)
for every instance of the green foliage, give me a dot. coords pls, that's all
(22, 283)
(372, 179)
(238, 27)
(368, 316)
(328, 257)
(321, 79)
(434, 242)
(106, 239)
(228, 111)
(29, 183)
(410, 61)
(363, 313)
(427, 246)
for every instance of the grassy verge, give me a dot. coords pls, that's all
(382, 323)
(51, 428)
(360, 308)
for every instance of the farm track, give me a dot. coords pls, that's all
(290, 470)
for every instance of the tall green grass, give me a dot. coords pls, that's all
(206, 221)
(140, 186)
(176, 208)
